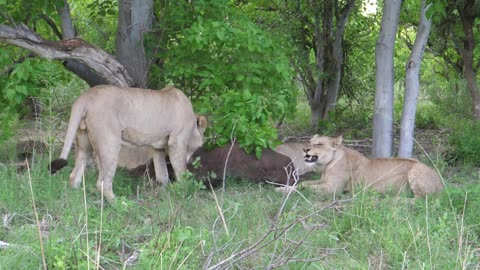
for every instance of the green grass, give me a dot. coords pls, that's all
(181, 227)
(252, 226)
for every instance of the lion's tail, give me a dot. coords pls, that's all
(78, 112)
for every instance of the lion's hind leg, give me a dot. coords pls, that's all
(160, 166)
(83, 150)
(177, 153)
(424, 180)
(107, 157)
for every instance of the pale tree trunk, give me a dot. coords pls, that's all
(134, 19)
(412, 84)
(383, 116)
(328, 41)
(467, 15)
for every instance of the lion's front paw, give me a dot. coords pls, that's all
(285, 189)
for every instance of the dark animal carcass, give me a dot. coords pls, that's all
(272, 167)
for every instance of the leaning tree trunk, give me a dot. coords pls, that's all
(134, 19)
(103, 64)
(383, 116)
(467, 15)
(412, 84)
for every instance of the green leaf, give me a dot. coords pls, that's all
(220, 35)
(183, 234)
(258, 152)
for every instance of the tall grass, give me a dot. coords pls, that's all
(182, 229)
(245, 226)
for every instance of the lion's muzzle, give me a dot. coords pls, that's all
(309, 158)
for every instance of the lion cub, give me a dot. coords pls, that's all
(346, 168)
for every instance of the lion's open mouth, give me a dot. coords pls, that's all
(311, 159)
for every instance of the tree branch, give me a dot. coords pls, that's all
(7, 17)
(95, 58)
(52, 25)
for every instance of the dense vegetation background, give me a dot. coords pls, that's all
(261, 71)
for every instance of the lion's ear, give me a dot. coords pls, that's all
(314, 137)
(337, 141)
(202, 121)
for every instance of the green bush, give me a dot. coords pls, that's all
(427, 116)
(30, 78)
(464, 141)
(235, 73)
(446, 100)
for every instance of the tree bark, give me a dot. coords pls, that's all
(134, 19)
(467, 16)
(337, 59)
(70, 49)
(328, 49)
(321, 42)
(412, 84)
(383, 116)
(68, 31)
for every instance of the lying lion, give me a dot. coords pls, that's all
(107, 118)
(346, 168)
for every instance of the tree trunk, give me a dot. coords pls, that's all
(316, 114)
(322, 25)
(412, 84)
(337, 59)
(467, 15)
(329, 57)
(77, 49)
(68, 31)
(383, 116)
(78, 68)
(134, 18)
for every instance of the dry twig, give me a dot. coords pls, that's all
(275, 233)
(44, 261)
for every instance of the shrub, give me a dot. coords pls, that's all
(237, 74)
(465, 142)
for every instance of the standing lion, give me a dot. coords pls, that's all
(105, 118)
